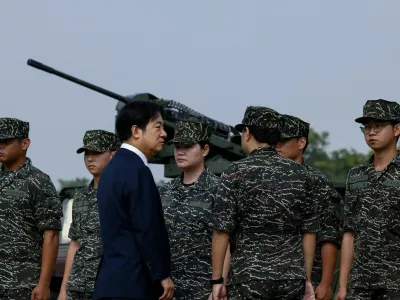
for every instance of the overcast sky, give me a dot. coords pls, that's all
(319, 60)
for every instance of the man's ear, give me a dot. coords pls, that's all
(206, 150)
(302, 142)
(25, 144)
(246, 134)
(136, 132)
(397, 129)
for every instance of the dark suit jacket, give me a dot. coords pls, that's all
(136, 253)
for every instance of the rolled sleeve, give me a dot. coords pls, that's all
(330, 216)
(350, 211)
(225, 212)
(309, 209)
(73, 232)
(47, 207)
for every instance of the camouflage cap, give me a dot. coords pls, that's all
(191, 132)
(294, 127)
(100, 141)
(261, 117)
(380, 110)
(11, 128)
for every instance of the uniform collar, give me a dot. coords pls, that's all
(23, 170)
(201, 183)
(263, 149)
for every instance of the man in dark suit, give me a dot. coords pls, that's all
(135, 261)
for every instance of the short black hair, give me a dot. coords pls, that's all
(138, 113)
(271, 136)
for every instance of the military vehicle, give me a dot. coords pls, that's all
(225, 148)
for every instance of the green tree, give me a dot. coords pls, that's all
(335, 164)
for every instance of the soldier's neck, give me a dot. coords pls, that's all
(96, 181)
(15, 165)
(191, 175)
(383, 157)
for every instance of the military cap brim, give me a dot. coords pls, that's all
(9, 137)
(181, 141)
(239, 127)
(363, 120)
(95, 149)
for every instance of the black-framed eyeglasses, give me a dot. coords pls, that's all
(377, 127)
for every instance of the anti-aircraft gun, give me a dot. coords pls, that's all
(225, 141)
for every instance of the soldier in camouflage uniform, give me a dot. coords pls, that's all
(30, 218)
(371, 238)
(84, 252)
(188, 202)
(293, 143)
(264, 205)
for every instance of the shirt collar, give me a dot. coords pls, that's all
(137, 151)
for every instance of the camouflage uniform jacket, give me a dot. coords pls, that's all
(329, 203)
(187, 212)
(85, 229)
(264, 203)
(29, 204)
(372, 212)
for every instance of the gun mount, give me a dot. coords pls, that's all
(225, 141)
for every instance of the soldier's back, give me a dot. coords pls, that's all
(264, 203)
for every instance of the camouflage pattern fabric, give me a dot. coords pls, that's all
(29, 204)
(100, 141)
(294, 127)
(85, 229)
(16, 294)
(382, 294)
(381, 110)
(264, 203)
(187, 212)
(329, 203)
(274, 289)
(191, 132)
(75, 295)
(11, 128)
(372, 213)
(261, 117)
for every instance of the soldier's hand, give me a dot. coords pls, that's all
(323, 292)
(41, 292)
(309, 293)
(342, 293)
(62, 295)
(219, 292)
(169, 289)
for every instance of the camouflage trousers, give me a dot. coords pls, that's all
(195, 287)
(17, 294)
(76, 295)
(271, 290)
(378, 294)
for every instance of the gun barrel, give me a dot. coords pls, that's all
(43, 67)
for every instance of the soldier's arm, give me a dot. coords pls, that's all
(48, 213)
(73, 246)
(73, 234)
(347, 249)
(223, 220)
(329, 236)
(227, 264)
(310, 225)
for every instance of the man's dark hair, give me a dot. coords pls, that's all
(271, 136)
(138, 113)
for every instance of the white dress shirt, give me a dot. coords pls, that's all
(137, 151)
